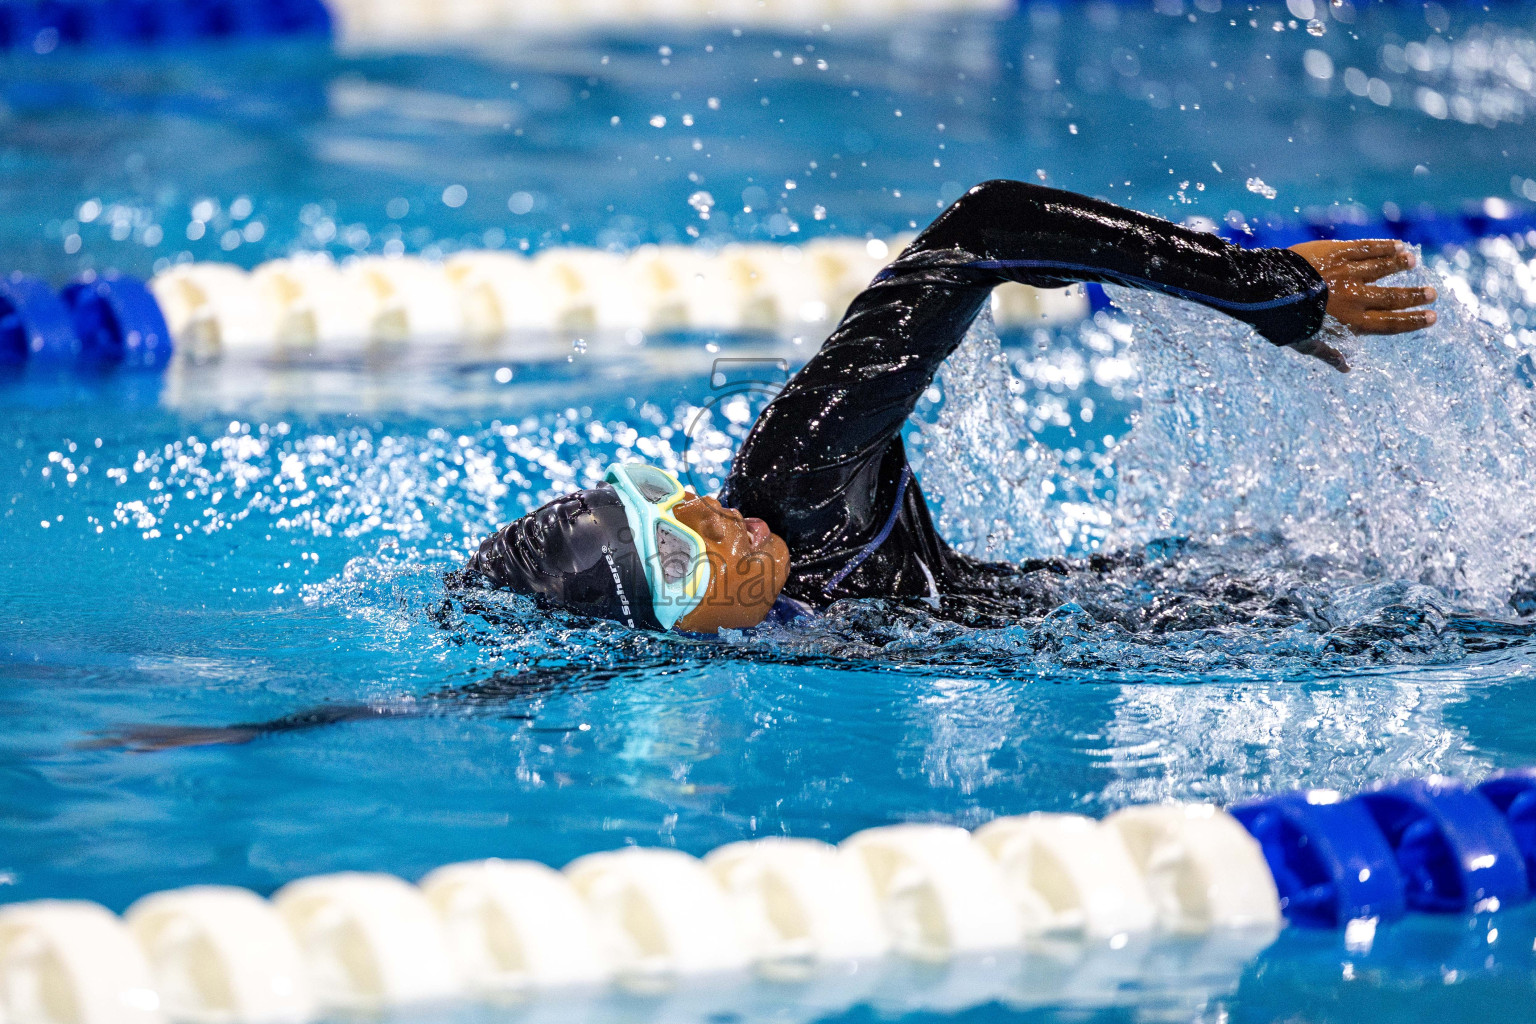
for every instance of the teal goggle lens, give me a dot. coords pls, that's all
(674, 556)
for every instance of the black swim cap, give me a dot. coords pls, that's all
(576, 553)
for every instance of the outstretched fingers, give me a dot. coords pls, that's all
(1394, 321)
(1374, 297)
(1349, 268)
(1375, 268)
(1371, 249)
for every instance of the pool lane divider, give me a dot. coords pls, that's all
(311, 304)
(43, 26)
(1429, 228)
(658, 920)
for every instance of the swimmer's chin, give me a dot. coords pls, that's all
(748, 602)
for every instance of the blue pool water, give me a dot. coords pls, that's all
(236, 542)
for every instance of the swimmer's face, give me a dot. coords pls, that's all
(748, 566)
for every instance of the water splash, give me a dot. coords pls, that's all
(976, 449)
(1415, 466)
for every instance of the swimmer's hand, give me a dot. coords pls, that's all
(1363, 307)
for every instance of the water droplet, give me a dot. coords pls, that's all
(1257, 186)
(1316, 27)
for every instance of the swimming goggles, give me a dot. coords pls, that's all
(676, 564)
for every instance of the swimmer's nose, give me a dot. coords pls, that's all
(729, 513)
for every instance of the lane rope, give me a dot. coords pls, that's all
(658, 920)
(40, 27)
(510, 305)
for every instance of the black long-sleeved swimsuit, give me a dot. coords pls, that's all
(825, 466)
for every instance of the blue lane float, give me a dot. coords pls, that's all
(118, 322)
(110, 320)
(35, 325)
(1331, 863)
(41, 26)
(1514, 794)
(1424, 845)
(1428, 228)
(1453, 847)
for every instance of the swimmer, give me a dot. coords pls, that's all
(821, 505)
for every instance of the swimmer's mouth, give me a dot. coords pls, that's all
(758, 531)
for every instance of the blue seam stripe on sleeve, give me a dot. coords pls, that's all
(1183, 293)
(885, 531)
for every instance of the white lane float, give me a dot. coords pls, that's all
(219, 954)
(315, 306)
(516, 925)
(497, 293)
(414, 299)
(840, 269)
(661, 284)
(1069, 874)
(72, 962)
(746, 288)
(940, 893)
(575, 288)
(310, 303)
(370, 941)
(1202, 868)
(1019, 305)
(214, 309)
(660, 913)
(369, 23)
(1043, 907)
(800, 902)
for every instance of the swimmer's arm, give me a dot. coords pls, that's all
(510, 694)
(1014, 231)
(819, 449)
(146, 738)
